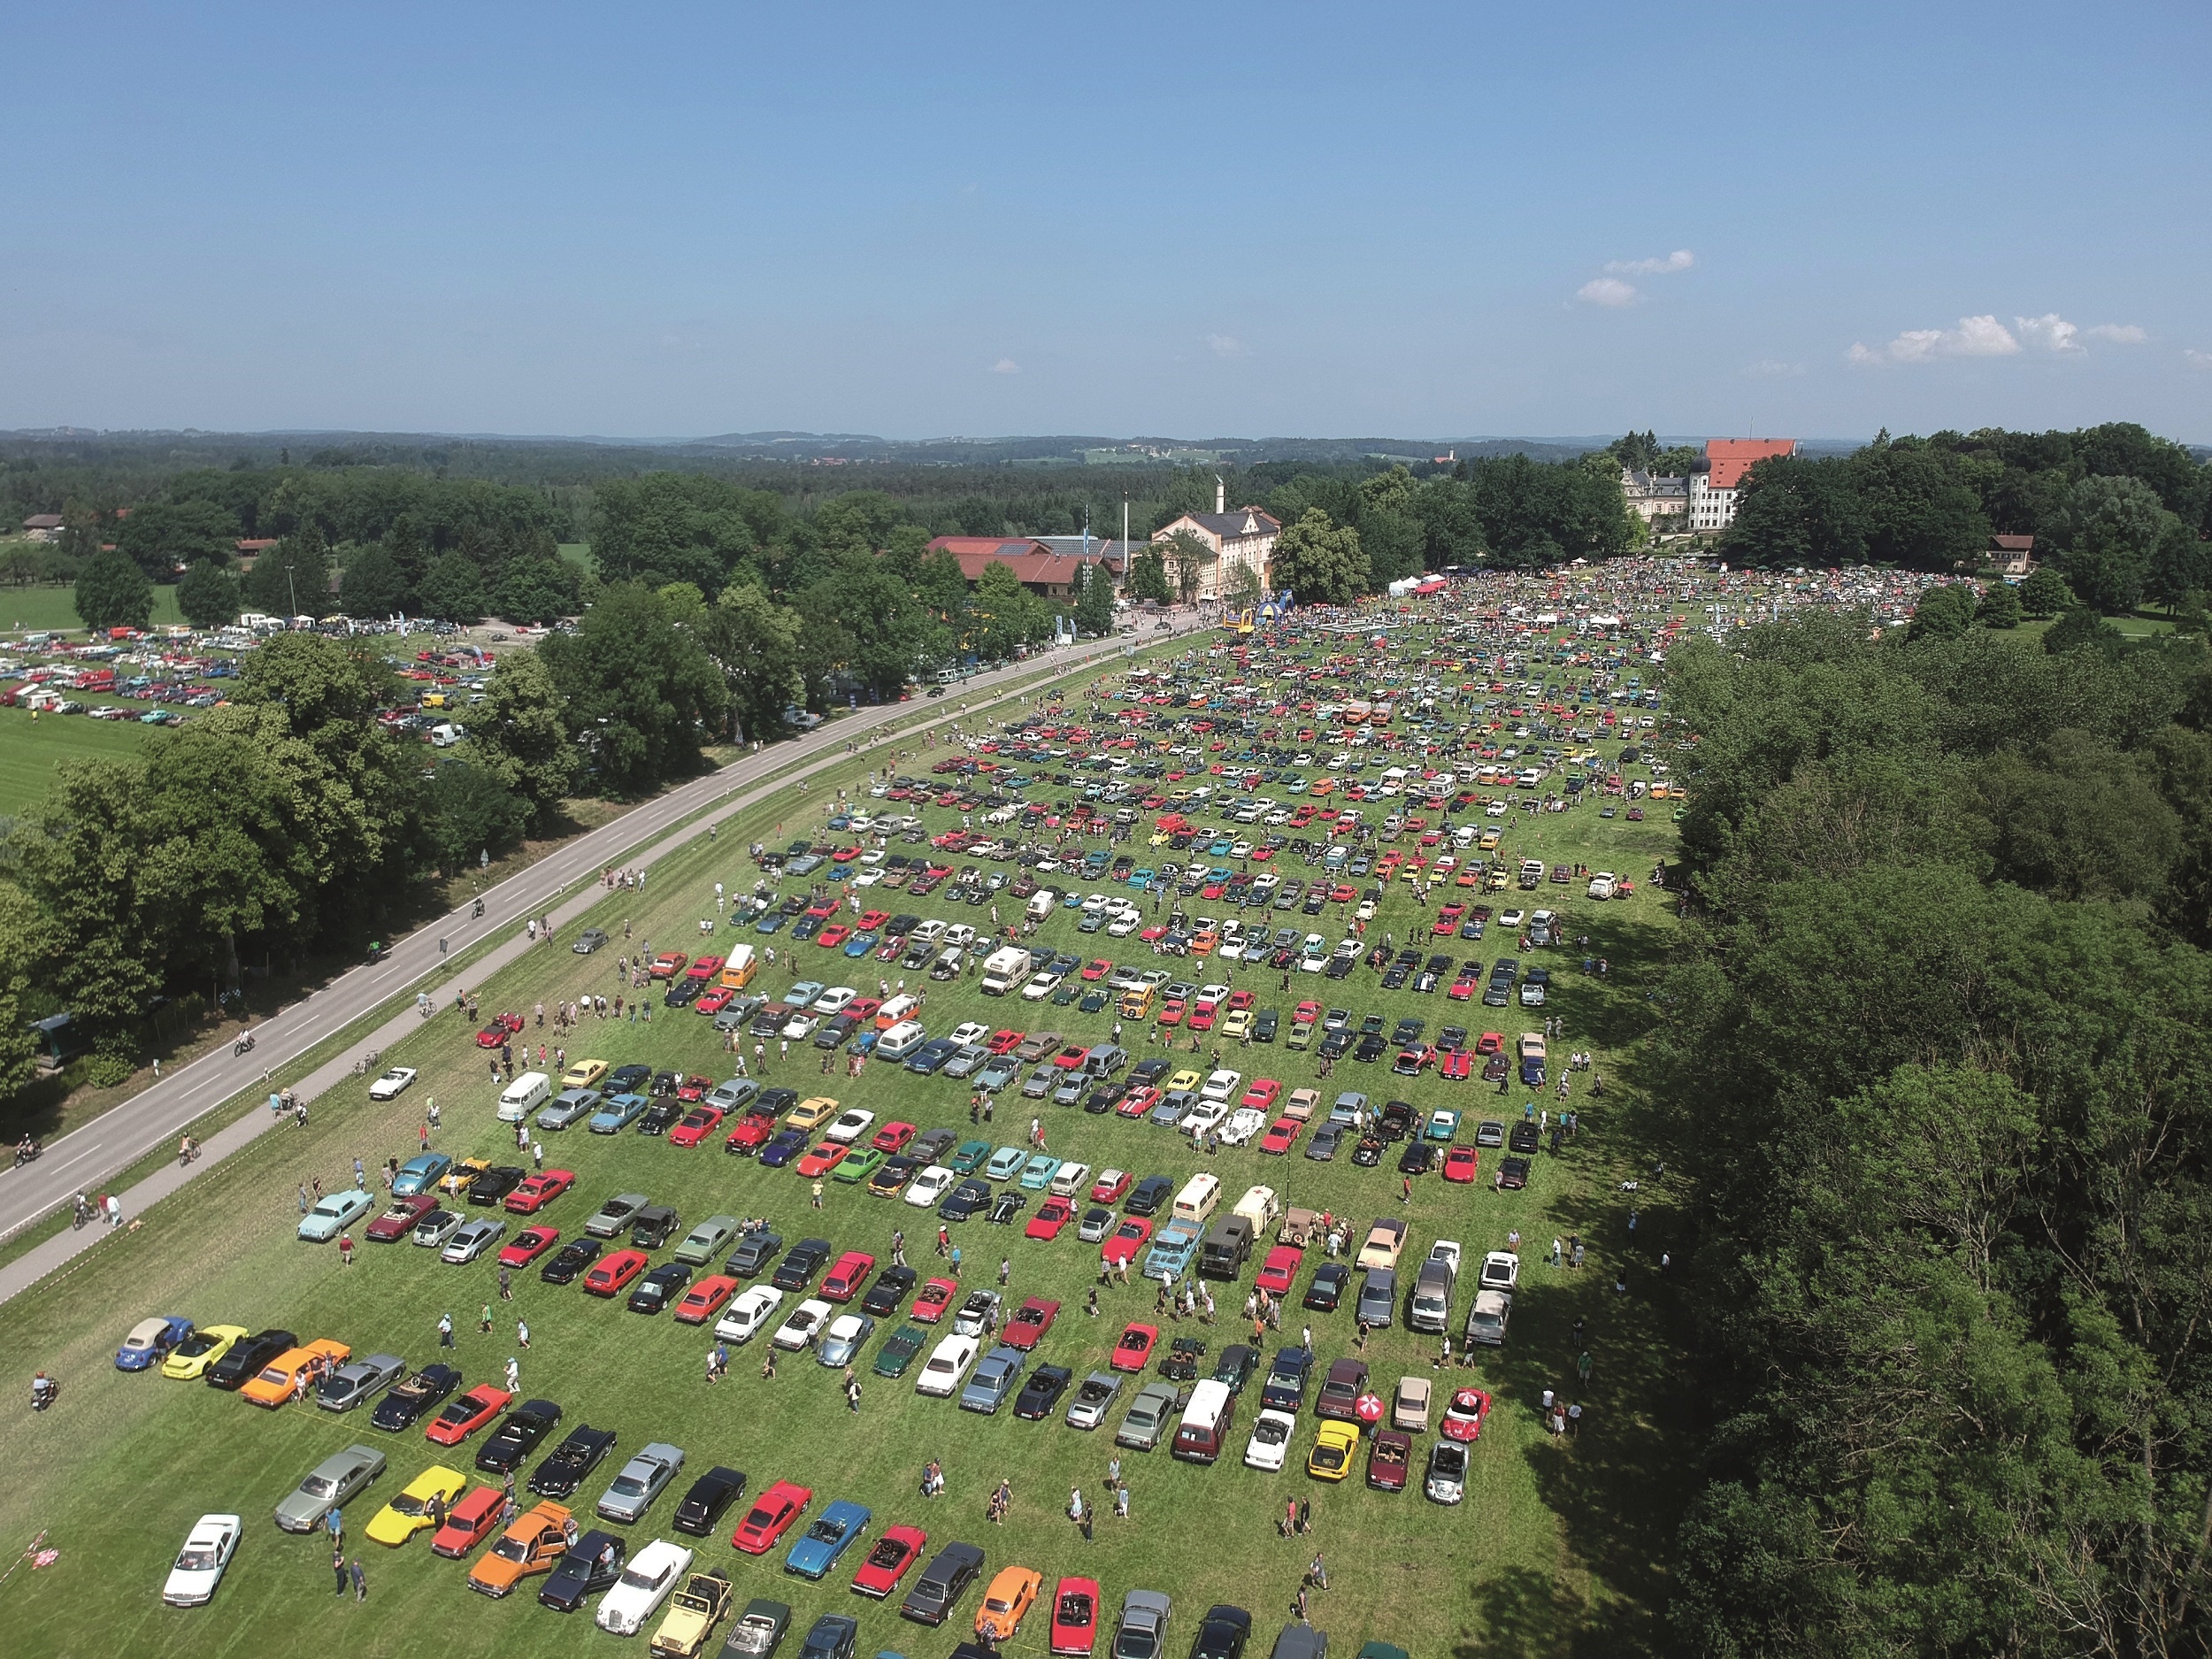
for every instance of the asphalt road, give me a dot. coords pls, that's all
(86, 1159)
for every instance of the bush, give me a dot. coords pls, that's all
(107, 1071)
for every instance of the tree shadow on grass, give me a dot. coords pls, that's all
(1527, 1614)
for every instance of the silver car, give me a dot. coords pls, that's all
(1094, 1396)
(472, 1239)
(436, 1226)
(640, 1481)
(843, 1339)
(1151, 1416)
(1143, 1632)
(360, 1380)
(329, 1485)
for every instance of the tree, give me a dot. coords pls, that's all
(467, 811)
(2180, 565)
(539, 591)
(641, 693)
(161, 536)
(862, 618)
(1389, 527)
(2078, 627)
(1321, 562)
(940, 584)
(679, 526)
(1004, 613)
(1796, 513)
(2044, 592)
(374, 584)
(403, 541)
(2111, 529)
(113, 593)
(1188, 558)
(1945, 612)
(1918, 509)
(520, 735)
(454, 590)
(1999, 607)
(78, 855)
(292, 578)
(754, 642)
(23, 942)
(1095, 602)
(1147, 577)
(208, 596)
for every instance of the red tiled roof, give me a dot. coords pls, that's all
(1033, 563)
(1731, 457)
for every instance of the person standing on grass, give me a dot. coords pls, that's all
(360, 1581)
(445, 1329)
(338, 1567)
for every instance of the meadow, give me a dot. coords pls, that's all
(30, 748)
(23, 609)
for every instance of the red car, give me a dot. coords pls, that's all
(1072, 1057)
(1123, 1243)
(772, 1516)
(1075, 1607)
(1097, 968)
(895, 1552)
(1138, 1101)
(1202, 1017)
(750, 1136)
(935, 1302)
(503, 1028)
(1464, 1417)
(398, 1222)
(469, 1522)
(714, 1000)
(1490, 1042)
(669, 964)
(1261, 1095)
(1388, 1458)
(835, 935)
(893, 1137)
(1052, 1215)
(1281, 1135)
(613, 1275)
(703, 968)
(1460, 1163)
(530, 1243)
(1135, 1347)
(870, 920)
(1005, 1041)
(1458, 1065)
(1030, 1323)
(464, 1417)
(845, 1279)
(695, 1088)
(823, 1159)
(1308, 1010)
(698, 1124)
(1171, 1013)
(1279, 1272)
(1109, 1186)
(704, 1299)
(1461, 990)
(537, 1191)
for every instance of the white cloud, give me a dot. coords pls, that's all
(2051, 332)
(1006, 365)
(1607, 290)
(1770, 365)
(2118, 334)
(1975, 337)
(1680, 259)
(2196, 359)
(1226, 345)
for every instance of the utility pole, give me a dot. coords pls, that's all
(293, 582)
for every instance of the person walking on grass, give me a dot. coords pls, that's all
(360, 1581)
(338, 1567)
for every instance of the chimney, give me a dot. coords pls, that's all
(1221, 495)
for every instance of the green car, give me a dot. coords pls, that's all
(1006, 1163)
(858, 1166)
(1042, 1169)
(970, 1157)
(898, 1352)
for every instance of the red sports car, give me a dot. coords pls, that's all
(698, 1124)
(1097, 968)
(704, 1299)
(1138, 1101)
(669, 964)
(1005, 1041)
(464, 1417)
(935, 1302)
(1460, 1163)
(1123, 1243)
(823, 1159)
(398, 1222)
(1458, 1066)
(714, 1000)
(772, 1516)
(1281, 1135)
(1109, 1186)
(847, 1278)
(1030, 1323)
(1261, 1095)
(1052, 1215)
(503, 1028)
(1279, 1272)
(1075, 1608)
(539, 1190)
(835, 935)
(893, 1137)
(612, 1276)
(750, 1136)
(1135, 1347)
(870, 920)
(1464, 1417)
(895, 1552)
(695, 1088)
(703, 968)
(530, 1243)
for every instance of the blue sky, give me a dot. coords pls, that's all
(1174, 219)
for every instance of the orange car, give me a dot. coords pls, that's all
(296, 1371)
(537, 1540)
(1012, 1594)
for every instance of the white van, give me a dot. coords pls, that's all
(1041, 904)
(1261, 1207)
(524, 1096)
(1197, 1201)
(901, 1040)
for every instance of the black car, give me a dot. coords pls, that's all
(1222, 1633)
(1327, 1289)
(1181, 1362)
(517, 1437)
(657, 1289)
(760, 1246)
(495, 1183)
(1236, 1365)
(966, 1200)
(1395, 1121)
(1370, 1050)
(1368, 1153)
(405, 1404)
(664, 1084)
(1265, 1023)
(711, 1494)
(1522, 1138)
(1041, 1393)
(831, 1636)
(246, 1359)
(1285, 1389)
(682, 993)
(1418, 1158)
(889, 1291)
(573, 1258)
(1335, 1043)
(592, 1563)
(1147, 1197)
(1006, 1209)
(1104, 1100)
(574, 1458)
(661, 1116)
(935, 1593)
(1323, 1147)
(1513, 1172)
(628, 1079)
(932, 1145)
(800, 1267)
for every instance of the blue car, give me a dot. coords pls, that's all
(618, 1114)
(769, 923)
(420, 1175)
(860, 944)
(787, 1145)
(149, 1341)
(1171, 1250)
(819, 1548)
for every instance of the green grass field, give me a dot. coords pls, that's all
(31, 608)
(30, 747)
(1559, 1546)
(577, 553)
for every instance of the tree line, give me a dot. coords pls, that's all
(1938, 1047)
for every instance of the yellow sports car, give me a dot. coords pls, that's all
(1182, 1081)
(190, 1358)
(408, 1513)
(1333, 1447)
(463, 1175)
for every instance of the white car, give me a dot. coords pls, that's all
(652, 1576)
(948, 1363)
(1604, 884)
(1272, 1432)
(1070, 1181)
(199, 1568)
(392, 1084)
(926, 1188)
(974, 1031)
(804, 1324)
(1201, 1118)
(473, 1239)
(833, 999)
(801, 1026)
(749, 1314)
(1243, 1124)
(1500, 1271)
(1041, 986)
(1221, 1085)
(849, 1126)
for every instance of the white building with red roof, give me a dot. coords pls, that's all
(1714, 491)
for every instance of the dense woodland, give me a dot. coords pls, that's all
(1937, 1053)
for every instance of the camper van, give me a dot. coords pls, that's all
(1261, 1207)
(1041, 904)
(901, 1040)
(524, 1096)
(1004, 969)
(738, 971)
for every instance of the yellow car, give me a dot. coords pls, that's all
(191, 1357)
(462, 1175)
(408, 1513)
(1239, 1023)
(1186, 1079)
(584, 1074)
(1012, 1594)
(810, 1114)
(1334, 1449)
